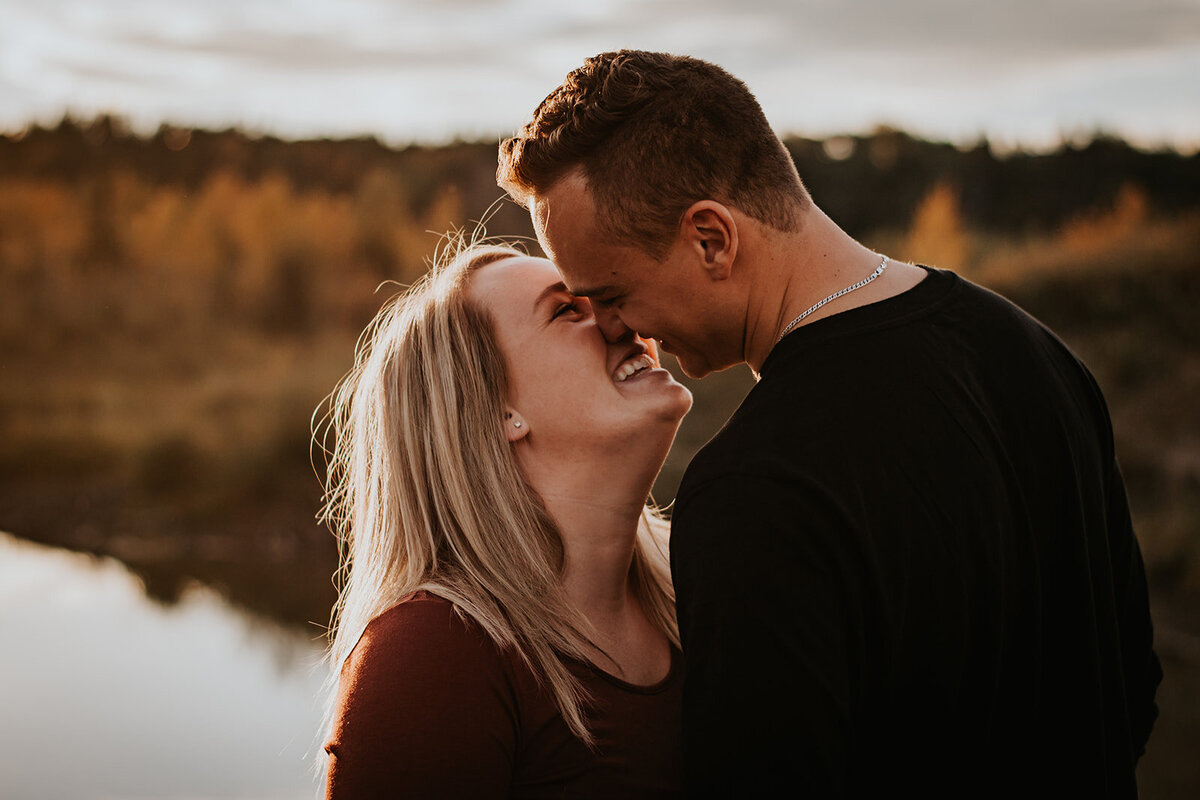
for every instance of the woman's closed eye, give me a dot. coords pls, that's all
(573, 307)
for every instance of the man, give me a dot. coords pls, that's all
(906, 563)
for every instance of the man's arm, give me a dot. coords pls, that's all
(1140, 665)
(1142, 670)
(770, 618)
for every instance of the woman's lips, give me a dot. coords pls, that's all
(633, 366)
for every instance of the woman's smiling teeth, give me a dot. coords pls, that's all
(632, 367)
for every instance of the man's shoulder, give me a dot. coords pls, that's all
(760, 444)
(830, 393)
(781, 424)
(741, 445)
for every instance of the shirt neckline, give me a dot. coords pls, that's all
(909, 304)
(637, 688)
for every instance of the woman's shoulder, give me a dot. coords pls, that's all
(424, 693)
(426, 631)
(417, 613)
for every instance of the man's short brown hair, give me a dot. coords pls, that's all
(654, 133)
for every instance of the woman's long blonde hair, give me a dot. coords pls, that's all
(423, 490)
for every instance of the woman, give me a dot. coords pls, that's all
(506, 626)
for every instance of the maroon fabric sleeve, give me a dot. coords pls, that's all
(425, 709)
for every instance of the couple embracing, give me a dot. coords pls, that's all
(904, 565)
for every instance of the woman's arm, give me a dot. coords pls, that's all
(425, 709)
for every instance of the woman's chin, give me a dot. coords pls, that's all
(685, 401)
(669, 416)
(678, 404)
(650, 436)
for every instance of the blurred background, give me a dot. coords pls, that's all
(202, 204)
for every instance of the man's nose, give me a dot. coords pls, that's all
(611, 326)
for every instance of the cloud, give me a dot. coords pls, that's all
(406, 68)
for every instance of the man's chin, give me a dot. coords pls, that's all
(697, 367)
(693, 367)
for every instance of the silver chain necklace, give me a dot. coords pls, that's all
(878, 271)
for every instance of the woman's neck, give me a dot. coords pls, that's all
(596, 493)
(597, 508)
(598, 543)
(598, 536)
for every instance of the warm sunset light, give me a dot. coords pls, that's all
(230, 493)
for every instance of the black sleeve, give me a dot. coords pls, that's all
(766, 604)
(1140, 664)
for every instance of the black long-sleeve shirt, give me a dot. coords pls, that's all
(907, 563)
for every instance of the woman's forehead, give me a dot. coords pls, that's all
(510, 279)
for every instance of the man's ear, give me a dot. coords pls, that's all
(709, 229)
(515, 426)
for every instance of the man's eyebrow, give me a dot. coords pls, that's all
(553, 288)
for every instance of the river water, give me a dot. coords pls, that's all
(107, 694)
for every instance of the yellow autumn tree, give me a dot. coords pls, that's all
(937, 236)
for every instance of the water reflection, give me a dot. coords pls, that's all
(106, 694)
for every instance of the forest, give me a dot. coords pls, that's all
(175, 308)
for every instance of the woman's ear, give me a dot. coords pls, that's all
(711, 231)
(515, 426)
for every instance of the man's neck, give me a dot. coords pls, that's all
(798, 270)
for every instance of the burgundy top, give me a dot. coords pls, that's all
(430, 707)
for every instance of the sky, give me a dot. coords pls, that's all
(1021, 72)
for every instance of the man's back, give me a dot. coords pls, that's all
(907, 561)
